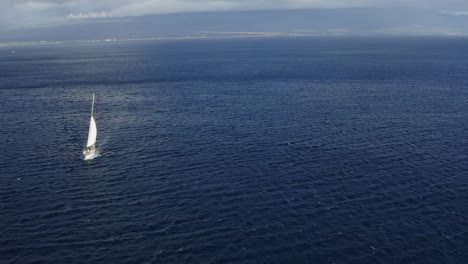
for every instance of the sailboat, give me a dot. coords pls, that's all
(90, 151)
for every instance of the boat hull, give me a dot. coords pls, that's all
(89, 154)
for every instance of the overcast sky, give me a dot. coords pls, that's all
(19, 14)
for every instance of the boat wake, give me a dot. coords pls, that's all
(96, 154)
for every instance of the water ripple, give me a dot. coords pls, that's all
(310, 159)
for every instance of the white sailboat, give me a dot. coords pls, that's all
(90, 151)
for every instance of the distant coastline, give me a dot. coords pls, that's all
(208, 35)
(223, 35)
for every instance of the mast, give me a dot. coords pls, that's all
(92, 107)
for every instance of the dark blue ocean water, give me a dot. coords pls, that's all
(277, 150)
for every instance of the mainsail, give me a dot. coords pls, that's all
(92, 134)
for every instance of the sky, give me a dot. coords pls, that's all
(27, 14)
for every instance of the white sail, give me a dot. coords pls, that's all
(92, 132)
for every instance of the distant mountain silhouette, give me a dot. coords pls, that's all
(357, 21)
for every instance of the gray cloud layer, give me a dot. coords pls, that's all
(16, 14)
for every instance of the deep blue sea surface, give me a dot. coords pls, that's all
(268, 150)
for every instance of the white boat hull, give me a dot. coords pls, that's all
(89, 154)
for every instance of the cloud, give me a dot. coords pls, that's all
(26, 14)
(460, 13)
(16, 14)
(149, 7)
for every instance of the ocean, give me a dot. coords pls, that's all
(241, 150)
